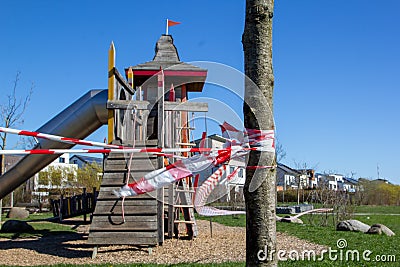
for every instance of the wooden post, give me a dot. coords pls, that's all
(160, 131)
(84, 204)
(171, 216)
(130, 77)
(111, 90)
(211, 230)
(60, 209)
(184, 122)
(1, 210)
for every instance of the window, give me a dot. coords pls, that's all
(61, 160)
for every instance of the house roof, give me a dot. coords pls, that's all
(287, 169)
(350, 180)
(88, 159)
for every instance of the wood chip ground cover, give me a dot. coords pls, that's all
(226, 245)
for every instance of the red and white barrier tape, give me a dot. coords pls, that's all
(204, 191)
(158, 151)
(173, 173)
(258, 140)
(58, 138)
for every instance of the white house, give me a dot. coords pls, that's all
(56, 175)
(287, 178)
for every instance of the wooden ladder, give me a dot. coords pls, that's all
(184, 209)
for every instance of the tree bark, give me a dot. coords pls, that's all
(260, 185)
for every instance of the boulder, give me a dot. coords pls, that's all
(379, 229)
(15, 226)
(352, 225)
(17, 213)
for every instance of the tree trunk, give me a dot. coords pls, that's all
(260, 185)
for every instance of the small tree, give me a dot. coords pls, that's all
(90, 175)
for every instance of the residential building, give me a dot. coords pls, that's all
(82, 160)
(59, 174)
(287, 178)
(350, 185)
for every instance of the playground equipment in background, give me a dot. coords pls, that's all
(77, 205)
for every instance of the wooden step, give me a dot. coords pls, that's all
(123, 238)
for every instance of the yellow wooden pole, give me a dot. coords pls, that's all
(111, 90)
(130, 77)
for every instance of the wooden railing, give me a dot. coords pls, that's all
(69, 207)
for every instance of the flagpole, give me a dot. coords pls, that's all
(166, 28)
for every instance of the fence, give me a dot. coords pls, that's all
(68, 207)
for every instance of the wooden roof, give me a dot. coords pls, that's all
(166, 57)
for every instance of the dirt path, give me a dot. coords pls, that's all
(227, 244)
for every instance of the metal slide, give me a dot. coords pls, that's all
(78, 120)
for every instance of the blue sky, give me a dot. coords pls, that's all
(336, 66)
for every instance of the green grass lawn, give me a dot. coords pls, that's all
(378, 245)
(377, 209)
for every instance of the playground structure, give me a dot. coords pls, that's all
(156, 118)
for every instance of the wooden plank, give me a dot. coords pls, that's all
(186, 106)
(136, 156)
(111, 189)
(128, 104)
(136, 163)
(108, 193)
(118, 218)
(120, 239)
(128, 202)
(113, 228)
(128, 208)
(119, 179)
(168, 106)
(119, 225)
(122, 81)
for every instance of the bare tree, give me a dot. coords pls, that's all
(11, 113)
(279, 151)
(257, 109)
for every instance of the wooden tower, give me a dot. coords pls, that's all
(148, 110)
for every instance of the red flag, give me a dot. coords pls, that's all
(172, 23)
